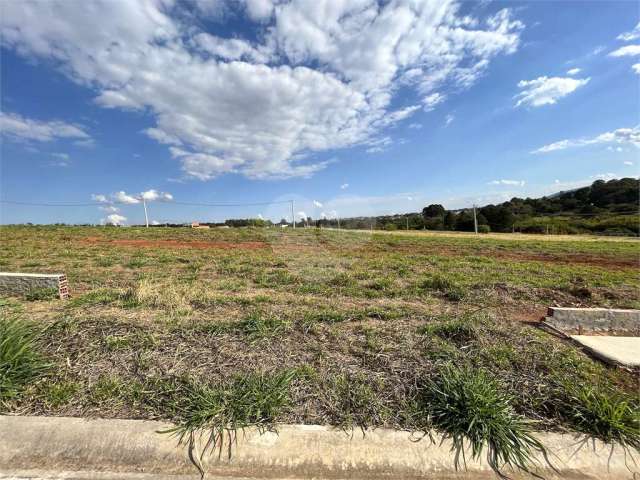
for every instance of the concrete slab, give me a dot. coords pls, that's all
(616, 350)
(579, 321)
(100, 449)
(14, 283)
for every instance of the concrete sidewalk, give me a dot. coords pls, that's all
(73, 448)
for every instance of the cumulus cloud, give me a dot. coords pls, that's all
(628, 163)
(547, 90)
(344, 186)
(629, 136)
(99, 198)
(114, 219)
(636, 68)
(511, 183)
(318, 75)
(626, 51)
(317, 204)
(448, 119)
(574, 71)
(123, 197)
(631, 35)
(17, 127)
(153, 195)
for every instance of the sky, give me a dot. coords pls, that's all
(346, 107)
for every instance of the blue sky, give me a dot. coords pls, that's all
(348, 107)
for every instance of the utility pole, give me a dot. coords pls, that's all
(407, 222)
(293, 216)
(146, 217)
(475, 219)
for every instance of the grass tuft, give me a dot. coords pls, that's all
(250, 400)
(457, 330)
(20, 359)
(444, 285)
(469, 407)
(602, 414)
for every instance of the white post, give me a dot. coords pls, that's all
(475, 219)
(146, 217)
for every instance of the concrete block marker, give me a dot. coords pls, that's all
(48, 447)
(23, 283)
(612, 335)
(579, 321)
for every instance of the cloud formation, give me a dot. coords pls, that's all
(547, 90)
(319, 75)
(114, 219)
(631, 35)
(626, 51)
(19, 128)
(125, 198)
(630, 136)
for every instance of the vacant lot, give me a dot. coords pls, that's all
(218, 328)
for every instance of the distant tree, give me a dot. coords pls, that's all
(433, 210)
(450, 220)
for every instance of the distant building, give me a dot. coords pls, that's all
(197, 225)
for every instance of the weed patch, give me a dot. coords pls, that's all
(468, 406)
(21, 361)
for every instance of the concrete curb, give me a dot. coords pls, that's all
(75, 448)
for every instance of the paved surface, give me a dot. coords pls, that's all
(80, 449)
(619, 350)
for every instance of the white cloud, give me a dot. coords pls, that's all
(547, 90)
(636, 68)
(318, 75)
(16, 127)
(620, 136)
(115, 219)
(132, 199)
(631, 35)
(344, 186)
(317, 204)
(431, 101)
(110, 209)
(614, 149)
(628, 163)
(512, 183)
(626, 51)
(302, 214)
(574, 71)
(415, 126)
(153, 195)
(448, 119)
(123, 197)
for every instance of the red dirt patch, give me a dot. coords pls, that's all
(176, 244)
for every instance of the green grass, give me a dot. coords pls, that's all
(468, 406)
(39, 294)
(21, 361)
(602, 413)
(457, 330)
(182, 334)
(247, 400)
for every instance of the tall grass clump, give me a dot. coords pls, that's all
(602, 414)
(469, 408)
(247, 400)
(20, 359)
